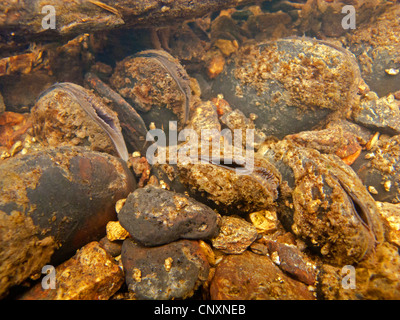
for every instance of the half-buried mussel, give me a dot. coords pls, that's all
(379, 169)
(132, 124)
(155, 84)
(225, 182)
(68, 114)
(55, 200)
(290, 84)
(324, 202)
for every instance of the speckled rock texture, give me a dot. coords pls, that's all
(170, 217)
(171, 271)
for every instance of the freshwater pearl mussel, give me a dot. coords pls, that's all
(227, 183)
(295, 205)
(68, 114)
(156, 85)
(327, 204)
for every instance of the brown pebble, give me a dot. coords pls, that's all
(171, 271)
(235, 235)
(291, 260)
(91, 274)
(251, 276)
(112, 247)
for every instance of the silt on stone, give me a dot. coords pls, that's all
(171, 271)
(154, 216)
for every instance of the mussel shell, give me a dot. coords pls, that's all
(220, 186)
(290, 84)
(328, 205)
(132, 124)
(156, 85)
(381, 169)
(68, 114)
(376, 46)
(56, 198)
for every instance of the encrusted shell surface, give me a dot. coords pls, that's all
(68, 114)
(290, 84)
(55, 199)
(228, 188)
(155, 84)
(329, 206)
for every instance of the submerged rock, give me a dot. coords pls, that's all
(235, 235)
(250, 276)
(382, 114)
(171, 271)
(291, 260)
(154, 216)
(91, 274)
(376, 278)
(379, 169)
(391, 216)
(376, 46)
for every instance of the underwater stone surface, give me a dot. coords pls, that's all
(291, 260)
(313, 213)
(376, 46)
(377, 277)
(154, 216)
(91, 274)
(171, 271)
(235, 235)
(250, 276)
(381, 115)
(379, 168)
